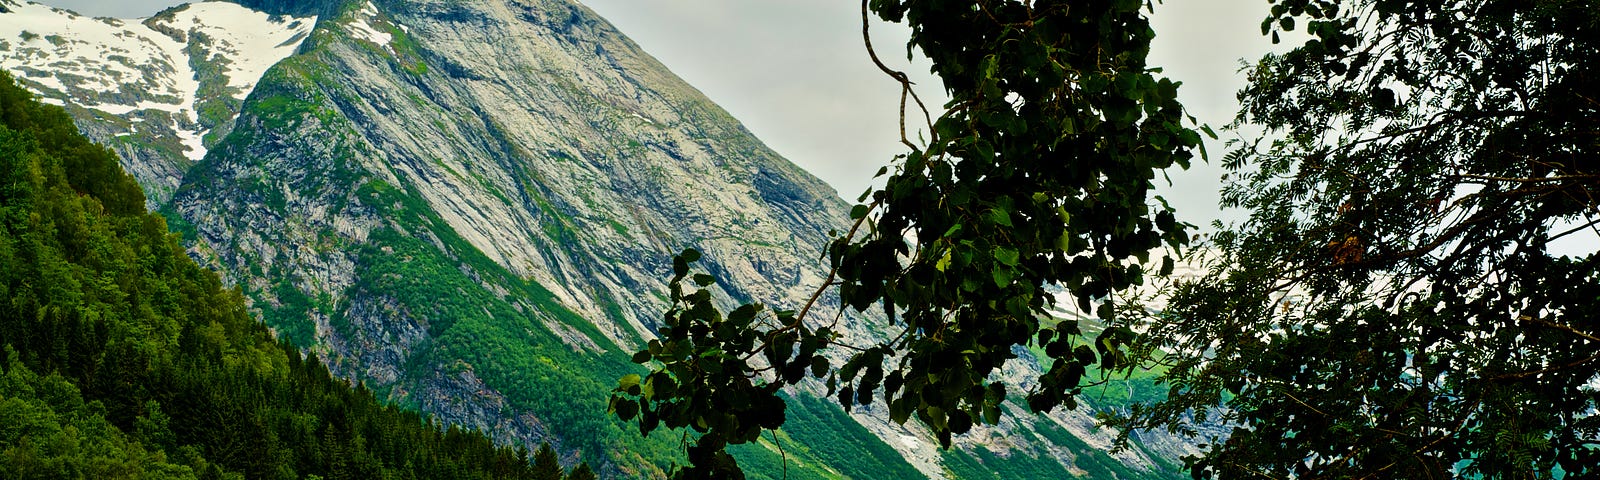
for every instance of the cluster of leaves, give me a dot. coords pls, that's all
(124, 358)
(1038, 173)
(1398, 304)
(696, 346)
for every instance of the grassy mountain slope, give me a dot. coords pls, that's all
(484, 236)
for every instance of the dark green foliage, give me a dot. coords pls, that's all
(1039, 172)
(1397, 305)
(125, 358)
(49, 431)
(545, 464)
(581, 472)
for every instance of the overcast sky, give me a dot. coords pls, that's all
(796, 74)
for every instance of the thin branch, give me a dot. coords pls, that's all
(905, 83)
(781, 454)
(1424, 448)
(1250, 470)
(1557, 326)
(1557, 368)
(1557, 178)
(833, 272)
(1589, 225)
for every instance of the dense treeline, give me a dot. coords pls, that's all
(124, 359)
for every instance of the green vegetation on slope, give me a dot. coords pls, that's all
(552, 366)
(843, 443)
(122, 358)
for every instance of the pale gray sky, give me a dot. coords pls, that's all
(112, 8)
(796, 74)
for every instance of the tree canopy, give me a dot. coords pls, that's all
(1037, 173)
(1399, 304)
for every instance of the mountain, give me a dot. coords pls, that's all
(122, 358)
(470, 207)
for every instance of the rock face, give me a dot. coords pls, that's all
(526, 149)
(470, 206)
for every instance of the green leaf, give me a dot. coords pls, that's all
(950, 232)
(1083, 354)
(629, 383)
(661, 385)
(994, 394)
(1006, 256)
(819, 366)
(624, 408)
(1002, 276)
(858, 211)
(960, 422)
(704, 280)
(744, 314)
(1000, 217)
(900, 410)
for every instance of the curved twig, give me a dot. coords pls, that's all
(905, 83)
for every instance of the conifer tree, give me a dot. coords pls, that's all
(545, 464)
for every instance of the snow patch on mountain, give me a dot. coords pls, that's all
(252, 41)
(363, 27)
(121, 66)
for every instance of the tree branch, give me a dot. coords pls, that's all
(905, 83)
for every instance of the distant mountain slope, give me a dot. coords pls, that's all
(122, 358)
(471, 206)
(158, 90)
